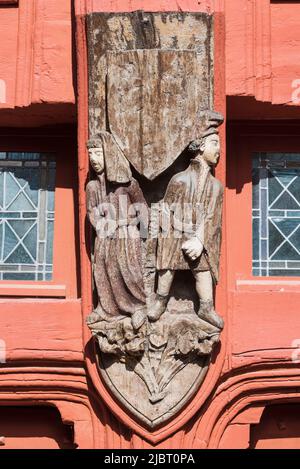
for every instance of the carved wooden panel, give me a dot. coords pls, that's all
(151, 118)
(146, 31)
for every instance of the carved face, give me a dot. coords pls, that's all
(97, 159)
(210, 149)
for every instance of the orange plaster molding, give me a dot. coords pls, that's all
(63, 387)
(251, 73)
(25, 59)
(236, 399)
(39, 51)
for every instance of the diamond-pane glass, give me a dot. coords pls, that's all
(276, 214)
(27, 186)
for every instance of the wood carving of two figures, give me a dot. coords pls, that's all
(140, 329)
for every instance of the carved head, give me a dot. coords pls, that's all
(207, 147)
(210, 149)
(96, 155)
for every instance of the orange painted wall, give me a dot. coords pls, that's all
(262, 43)
(36, 53)
(37, 63)
(49, 355)
(278, 428)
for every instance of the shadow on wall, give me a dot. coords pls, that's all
(278, 428)
(251, 121)
(34, 428)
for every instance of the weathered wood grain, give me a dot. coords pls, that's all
(153, 103)
(145, 31)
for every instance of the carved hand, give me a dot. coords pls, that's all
(192, 248)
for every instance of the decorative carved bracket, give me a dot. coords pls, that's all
(156, 250)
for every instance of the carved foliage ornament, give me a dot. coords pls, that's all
(156, 244)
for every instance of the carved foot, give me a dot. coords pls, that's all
(158, 307)
(138, 318)
(93, 318)
(208, 314)
(156, 397)
(99, 315)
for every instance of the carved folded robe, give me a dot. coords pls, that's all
(117, 263)
(199, 188)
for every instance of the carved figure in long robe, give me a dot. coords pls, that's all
(117, 260)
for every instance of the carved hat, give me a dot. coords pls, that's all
(211, 121)
(94, 143)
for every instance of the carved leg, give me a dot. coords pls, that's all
(204, 288)
(204, 285)
(158, 307)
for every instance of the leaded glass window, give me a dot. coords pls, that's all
(27, 186)
(276, 214)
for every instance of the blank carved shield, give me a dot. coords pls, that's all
(153, 105)
(155, 261)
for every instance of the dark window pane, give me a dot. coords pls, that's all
(255, 182)
(274, 189)
(286, 202)
(23, 156)
(20, 276)
(49, 241)
(275, 238)
(284, 273)
(255, 238)
(286, 252)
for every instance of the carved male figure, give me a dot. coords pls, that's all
(199, 250)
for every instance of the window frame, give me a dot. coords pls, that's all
(64, 279)
(270, 168)
(248, 139)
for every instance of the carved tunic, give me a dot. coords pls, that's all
(198, 187)
(117, 261)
